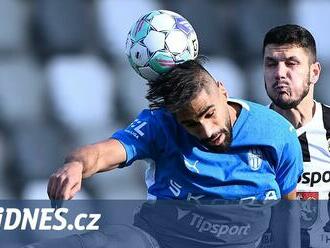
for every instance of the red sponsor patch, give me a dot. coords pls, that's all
(308, 195)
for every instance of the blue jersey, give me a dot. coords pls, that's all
(264, 160)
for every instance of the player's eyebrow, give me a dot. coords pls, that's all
(204, 110)
(295, 58)
(269, 58)
(199, 115)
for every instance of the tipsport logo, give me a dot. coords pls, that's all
(313, 178)
(204, 225)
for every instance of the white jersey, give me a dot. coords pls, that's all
(314, 138)
(314, 183)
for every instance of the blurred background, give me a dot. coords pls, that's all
(65, 80)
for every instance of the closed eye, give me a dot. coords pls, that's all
(209, 115)
(292, 62)
(191, 124)
(270, 62)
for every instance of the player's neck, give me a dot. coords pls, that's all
(234, 111)
(300, 115)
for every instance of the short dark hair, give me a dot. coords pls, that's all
(291, 34)
(179, 86)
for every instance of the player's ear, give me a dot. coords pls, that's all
(315, 72)
(222, 89)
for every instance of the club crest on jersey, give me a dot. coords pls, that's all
(255, 158)
(309, 208)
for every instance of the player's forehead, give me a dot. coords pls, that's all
(285, 51)
(197, 107)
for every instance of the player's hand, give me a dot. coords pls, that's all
(66, 182)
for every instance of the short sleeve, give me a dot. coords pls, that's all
(290, 164)
(139, 138)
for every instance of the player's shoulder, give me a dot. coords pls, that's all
(325, 109)
(250, 106)
(158, 116)
(267, 123)
(263, 114)
(325, 115)
(156, 113)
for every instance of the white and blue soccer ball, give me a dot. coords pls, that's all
(158, 41)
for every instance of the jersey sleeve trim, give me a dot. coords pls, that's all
(130, 151)
(288, 190)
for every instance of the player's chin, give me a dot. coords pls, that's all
(285, 103)
(219, 148)
(223, 147)
(221, 143)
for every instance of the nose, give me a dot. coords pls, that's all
(280, 71)
(206, 130)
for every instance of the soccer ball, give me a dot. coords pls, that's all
(158, 41)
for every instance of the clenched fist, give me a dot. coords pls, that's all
(66, 182)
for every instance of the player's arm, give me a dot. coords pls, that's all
(82, 163)
(291, 196)
(290, 164)
(285, 223)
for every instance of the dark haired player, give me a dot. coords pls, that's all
(202, 146)
(291, 70)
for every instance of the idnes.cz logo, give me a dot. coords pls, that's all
(45, 219)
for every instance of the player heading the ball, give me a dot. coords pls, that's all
(159, 40)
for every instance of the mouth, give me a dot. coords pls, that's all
(217, 140)
(280, 84)
(281, 87)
